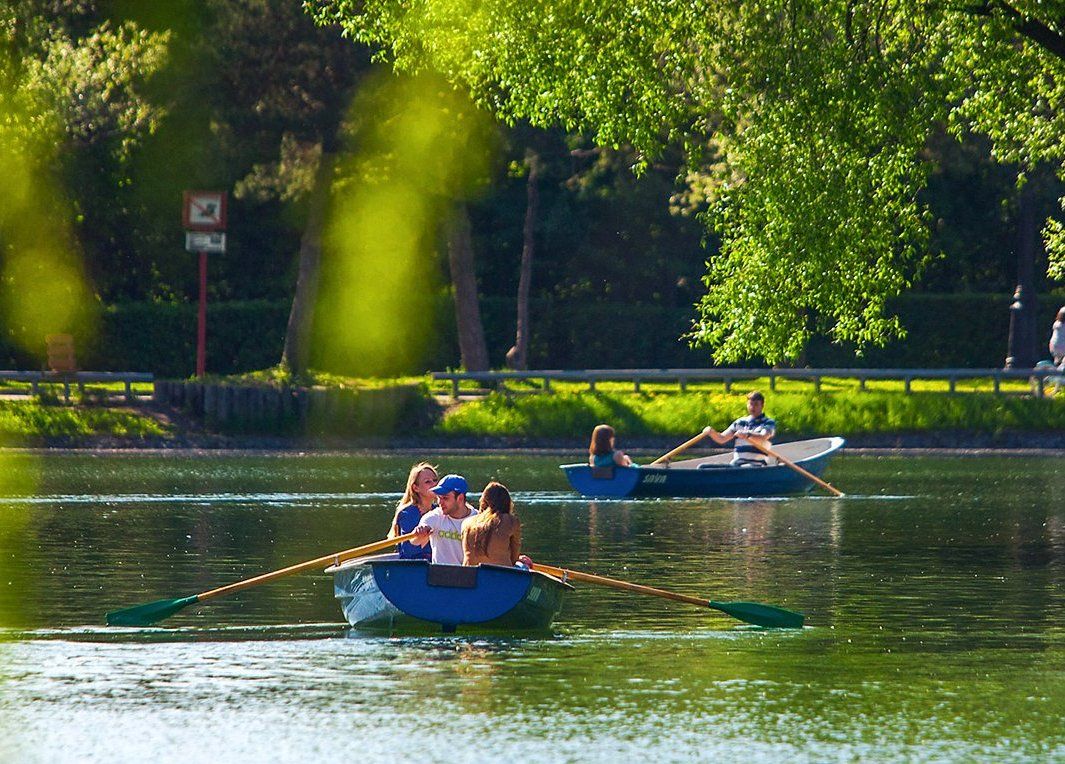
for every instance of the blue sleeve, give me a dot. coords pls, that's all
(408, 519)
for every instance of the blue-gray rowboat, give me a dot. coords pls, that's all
(385, 593)
(710, 476)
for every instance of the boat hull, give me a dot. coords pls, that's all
(386, 594)
(707, 478)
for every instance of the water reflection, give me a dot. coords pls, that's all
(933, 600)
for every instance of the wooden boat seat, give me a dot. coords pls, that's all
(603, 473)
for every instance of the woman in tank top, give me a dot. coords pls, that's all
(493, 535)
(601, 452)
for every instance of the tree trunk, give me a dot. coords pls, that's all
(296, 354)
(518, 356)
(472, 346)
(1021, 351)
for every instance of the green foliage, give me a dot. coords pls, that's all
(804, 124)
(798, 415)
(947, 331)
(70, 87)
(424, 148)
(30, 421)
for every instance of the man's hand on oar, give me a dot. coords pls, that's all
(152, 612)
(769, 616)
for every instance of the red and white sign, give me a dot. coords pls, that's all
(204, 211)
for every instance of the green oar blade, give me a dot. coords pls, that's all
(146, 615)
(759, 614)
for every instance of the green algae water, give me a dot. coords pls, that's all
(934, 595)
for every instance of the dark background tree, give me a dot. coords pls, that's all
(249, 95)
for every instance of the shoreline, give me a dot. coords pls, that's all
(916, 444)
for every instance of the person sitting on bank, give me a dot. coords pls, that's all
(1057, 340)
(441, 528)
(756, 425)
(418, 500)
(602, 453)
(493, 535)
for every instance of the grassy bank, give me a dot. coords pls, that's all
(798, 414)
(30, 421)
(567, 414)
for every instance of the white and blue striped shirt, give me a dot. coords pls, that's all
(751, 425)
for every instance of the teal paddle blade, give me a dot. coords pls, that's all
(770, 616)
(146, 615)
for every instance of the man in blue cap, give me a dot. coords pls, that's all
(442, 527)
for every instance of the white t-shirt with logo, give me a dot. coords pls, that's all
(446, 538)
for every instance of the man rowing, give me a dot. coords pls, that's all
(756, 426)
(442, 527)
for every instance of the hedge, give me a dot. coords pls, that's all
(953, 330)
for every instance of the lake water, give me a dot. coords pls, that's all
(934, 595)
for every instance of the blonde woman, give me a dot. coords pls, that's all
(417, 500)
(493, 535)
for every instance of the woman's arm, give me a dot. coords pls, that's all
(622, 459)
(515, 542)
(467, 547)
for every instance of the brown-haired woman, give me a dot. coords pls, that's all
(494, 534)
(602, 453)
(417, 500)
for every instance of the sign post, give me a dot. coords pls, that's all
(204, 217)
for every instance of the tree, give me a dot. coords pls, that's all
(518, 355)
(473, 350)
(72, 92)
(803, 125)
(285, 88)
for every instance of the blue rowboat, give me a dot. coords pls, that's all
(385, 593)
(710, 476)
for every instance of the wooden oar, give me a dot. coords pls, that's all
(808, 475)
(146, 615)
(680, 449)
(755, 613)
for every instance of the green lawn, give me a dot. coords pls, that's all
(798, 413)
(570, 411)
(22, 421)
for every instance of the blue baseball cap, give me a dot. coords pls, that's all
(451, 484)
